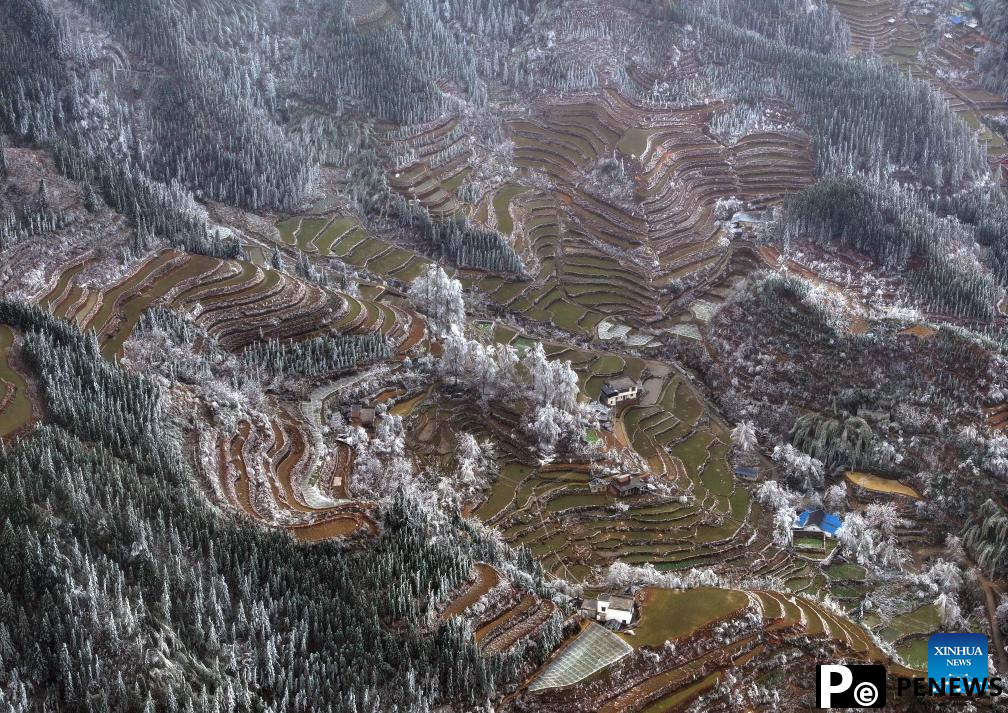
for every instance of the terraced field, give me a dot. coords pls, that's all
(695, 664)
(237, 302)
(670, 614)
(16, 408)
(486, 578)
(593, 259)
(277, 474)
(432, 162)
(599, 258)
(924, 46)
(705, 518)
(370, 15)
(342, 237)
(874, 24)
(514, 624)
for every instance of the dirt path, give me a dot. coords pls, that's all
(1001, 655)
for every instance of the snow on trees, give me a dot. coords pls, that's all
(772, 496)
(381, 465)
(477, 465)
(856, 538)
(557, 418)
(551, 383)
(488, 370)
(783, 526)
(550, 426)
(439, 296)
(996, 458)
(799, 469)
(835, 498)
(744, 436)
(885, 518)
(725, 208)
(870, 539)
(948, 609)
(942, 577)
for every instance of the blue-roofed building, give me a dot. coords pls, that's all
(956, 19)
(817, 521)
(746, 472)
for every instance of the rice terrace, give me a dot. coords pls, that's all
(510, 355)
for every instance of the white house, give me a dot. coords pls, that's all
(619, 390)
(609, 607)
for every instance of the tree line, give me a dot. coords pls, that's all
(121, 589)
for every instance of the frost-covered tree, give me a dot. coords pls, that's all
(942, 576)
(439, 296)
(835, 497)
(381, 465)
(744, 436)
(885, 518)
(996, 457)
(477, 465)
(772, 496)
(949, 610)
(783, 526)
(856, 538)
(799, 469)
(551, 382)
(871, 539)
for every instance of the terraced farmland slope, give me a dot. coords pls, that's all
(16, 408)
(751, 629)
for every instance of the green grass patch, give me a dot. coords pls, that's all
(634, 142)
(811, 542)
(348, 242)
(502, 202)
(578, 500)
(693, 451)
(847, 570)
(670, 614)
(365, 250)
(922, 620)
(411, 270)
(914, 652)
(335, 230)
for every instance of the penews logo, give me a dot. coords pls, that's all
(955, 659)
(839, 686)
(957, 666)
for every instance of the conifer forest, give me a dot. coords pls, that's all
(499, 355)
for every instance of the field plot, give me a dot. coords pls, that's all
(237, 302)
(670, 614)
(636, 683)
(486, 579)
(272, 472)
(879, 484)
(662, 230)
(370, 15)
(702, 520)
(869, 22)
(514, 625)
(432, 157)
(343, 237)
(915, 652)
(16, 410)
(924, 620)
(594, 649)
